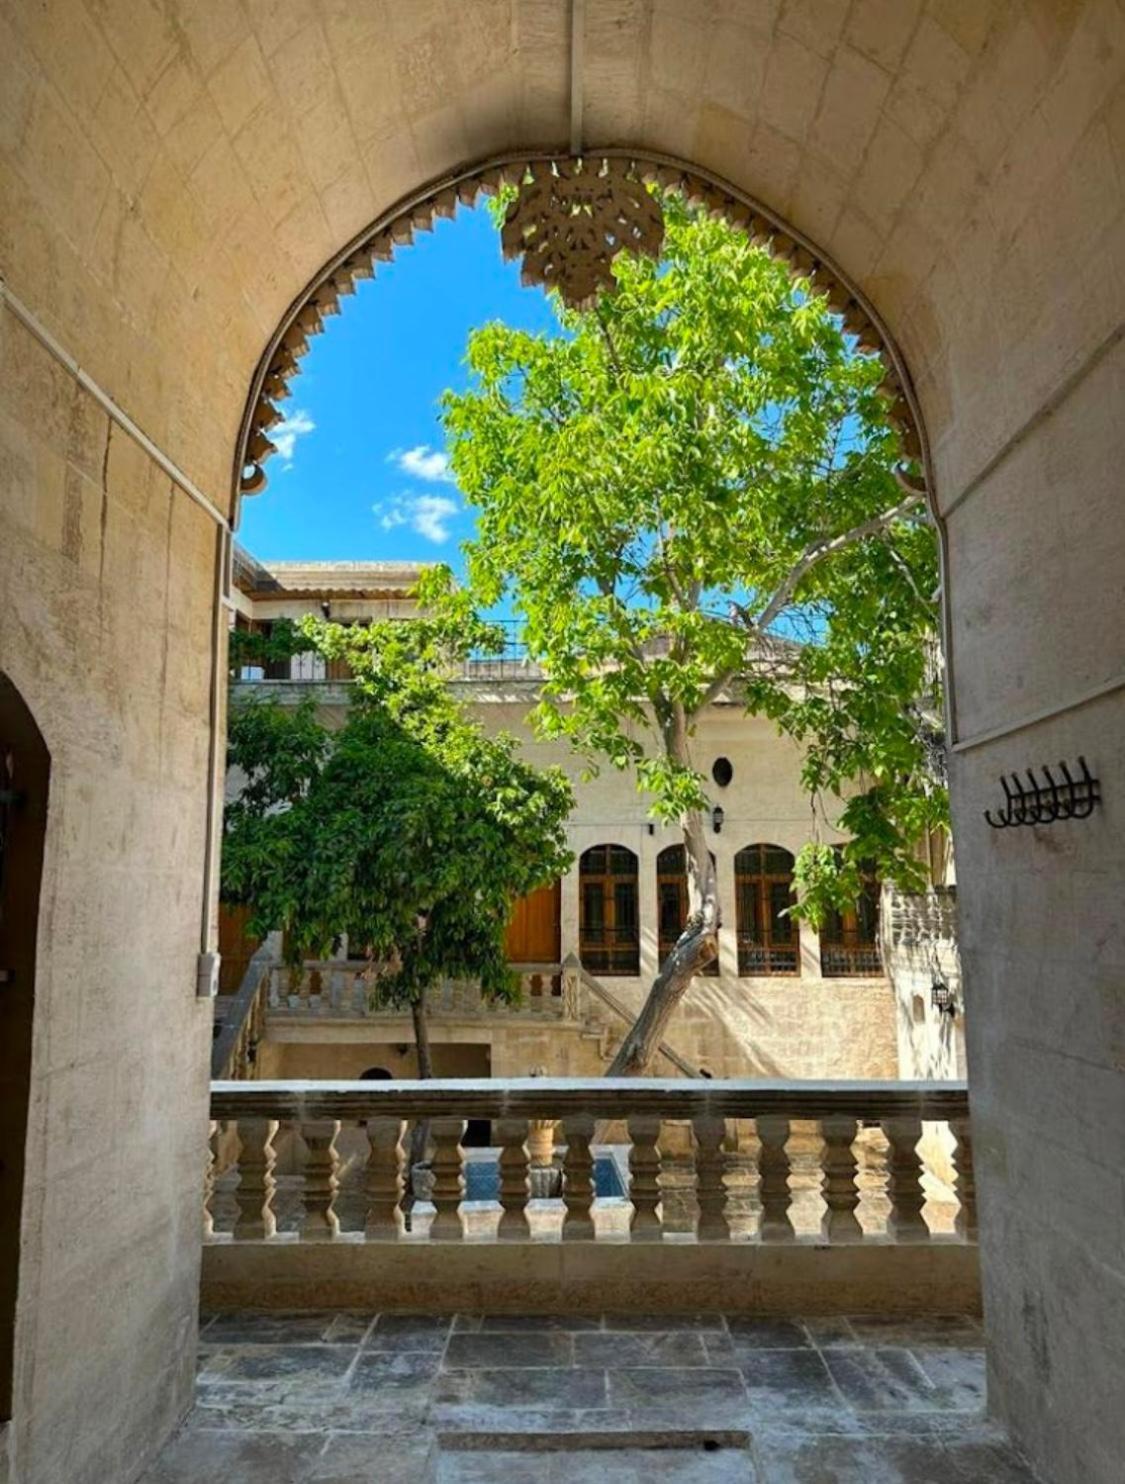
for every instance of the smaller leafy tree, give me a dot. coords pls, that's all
(408, 829)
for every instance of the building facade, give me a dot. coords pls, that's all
(782, 1000)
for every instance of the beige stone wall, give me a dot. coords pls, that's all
(105, 624)
(170, 176)
(730, 1025)
(318, 1061)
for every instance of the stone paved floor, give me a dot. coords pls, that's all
(399, 1399)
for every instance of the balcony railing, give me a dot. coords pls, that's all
(239, 1019)
(756, 958)
(610, 950)
(345, 989)
(769, 1197)
(854, 960)
(729, 1197)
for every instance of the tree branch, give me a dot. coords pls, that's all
(608, 338)
(816, 551)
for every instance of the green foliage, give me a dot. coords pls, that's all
(408, 829)
(252, 647)
(669, 489)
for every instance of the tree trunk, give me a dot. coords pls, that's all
(422, 1037)
(695, 948)
(420, 1133)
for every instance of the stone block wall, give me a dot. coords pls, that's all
(172, 174)
(105, 624)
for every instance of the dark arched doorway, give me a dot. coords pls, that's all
(24, 773)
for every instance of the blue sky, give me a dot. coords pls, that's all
(360, 472)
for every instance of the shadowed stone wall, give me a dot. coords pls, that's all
(105, 628)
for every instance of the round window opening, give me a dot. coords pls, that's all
(721, 771)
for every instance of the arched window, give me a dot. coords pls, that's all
(849, 941)
(672, 901)
(768, 940)
(608, 921)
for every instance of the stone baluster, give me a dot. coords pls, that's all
(710, 1187)
(841, 1195)
(578, 1179)
(773, 1178)
(320, 1223)
(965, 1183)
(644, 1182)
(449, 1185)
(256, 1184)
(291, 979)
(904, 1180)
(210, 1183)
(382, 1182)
(512, 1136)
(572, 1008)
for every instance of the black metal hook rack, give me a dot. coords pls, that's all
(1046, 802)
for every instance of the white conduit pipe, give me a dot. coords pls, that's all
(208, 962)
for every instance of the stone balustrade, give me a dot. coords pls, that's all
(681, 1147)
(240, 1018)
(347, 989)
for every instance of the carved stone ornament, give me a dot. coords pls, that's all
(570, 222)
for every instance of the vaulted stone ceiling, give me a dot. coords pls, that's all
(176, 172)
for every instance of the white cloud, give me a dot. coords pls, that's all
(284, 435)
(422, 462)
(429, 515)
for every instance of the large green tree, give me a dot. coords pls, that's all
(408, 829)
(691, 490)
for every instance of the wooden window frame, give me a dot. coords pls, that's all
(609, 949)
(849, 949)
(764, 959)
(674, 877)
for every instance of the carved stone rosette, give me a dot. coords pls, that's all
(570, 220)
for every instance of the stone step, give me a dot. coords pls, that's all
(600, 1439)
(583, 1465)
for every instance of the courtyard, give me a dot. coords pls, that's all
(914, 1274)
(353, 1398)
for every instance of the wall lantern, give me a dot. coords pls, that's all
(717, 817)
(941, 997)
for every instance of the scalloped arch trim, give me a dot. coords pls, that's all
(379, 243)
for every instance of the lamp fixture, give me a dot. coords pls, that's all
(942, 998)
(717, 817)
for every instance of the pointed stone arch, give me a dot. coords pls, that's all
(418, 211)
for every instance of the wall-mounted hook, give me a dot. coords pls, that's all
(1051, 799)
(1046, 803)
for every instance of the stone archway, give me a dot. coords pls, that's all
(173, 175)
(25, 767)
(395, 229)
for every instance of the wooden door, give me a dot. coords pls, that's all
(236, 946)
(24, 777)
(534, 932)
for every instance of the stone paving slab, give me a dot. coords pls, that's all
(360, 1398)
